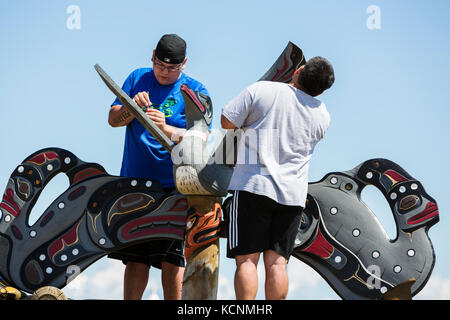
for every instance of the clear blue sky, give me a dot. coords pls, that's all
(390, 98)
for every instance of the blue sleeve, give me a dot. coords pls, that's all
(126, 87)
(203, 90)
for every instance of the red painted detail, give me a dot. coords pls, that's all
(431, 210)
(395, 176)
(77, 193)
(86, 173)
(287, 77)
(66, 240)
(17, 233)
(43, 157)
(9, 204)
(283, 69)
(47, 218)
(202, 229)
(180, 205)
(193, 97)
(320, 246)
(126, 235)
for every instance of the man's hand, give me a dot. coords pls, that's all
(157, 117)
(119, 116)
(142, 99)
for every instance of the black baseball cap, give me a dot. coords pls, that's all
(171, 48)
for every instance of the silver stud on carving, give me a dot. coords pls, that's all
(397, 269)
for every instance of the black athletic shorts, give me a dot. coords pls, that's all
(258, 223)
(154, 252)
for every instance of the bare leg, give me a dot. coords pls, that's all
(135, 280)
(172, 281)
(246, 276)
(277, 283)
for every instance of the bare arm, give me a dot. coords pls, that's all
(119, 116)
(226, 124)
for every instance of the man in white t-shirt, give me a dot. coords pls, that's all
(282, 123)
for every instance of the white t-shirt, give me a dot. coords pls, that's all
(282, 125)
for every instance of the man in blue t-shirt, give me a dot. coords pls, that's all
(157, 90)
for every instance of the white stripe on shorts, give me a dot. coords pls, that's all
(232, 227)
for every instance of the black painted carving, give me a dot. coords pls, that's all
(96, 215)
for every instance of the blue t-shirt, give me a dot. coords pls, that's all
(143, 155)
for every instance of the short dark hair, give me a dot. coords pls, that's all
(317, 76)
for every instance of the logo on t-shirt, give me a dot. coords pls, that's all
(165, 107)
